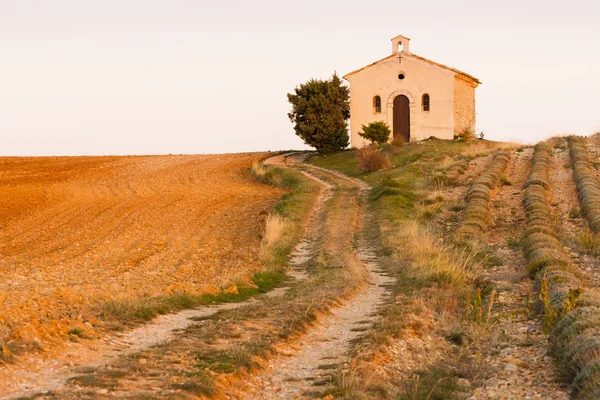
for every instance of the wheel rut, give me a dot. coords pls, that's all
(306, 367)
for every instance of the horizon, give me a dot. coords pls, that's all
(147, 78)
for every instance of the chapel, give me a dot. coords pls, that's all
(416, 97)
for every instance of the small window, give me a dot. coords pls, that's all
(377, 104)
(425, 102)
(400, 76)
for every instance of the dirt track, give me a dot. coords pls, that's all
(75, 231)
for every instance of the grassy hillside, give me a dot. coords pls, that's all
(492, 255)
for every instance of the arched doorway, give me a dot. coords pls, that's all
(402, 118)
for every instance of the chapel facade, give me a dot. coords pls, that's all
(416, 97)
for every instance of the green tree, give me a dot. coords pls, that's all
(376, 132)
(320, 112)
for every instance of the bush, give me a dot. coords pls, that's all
(372, 159)
(571, 312)
(476, 217)
(466, 134)
(588, 187)
(376, 132)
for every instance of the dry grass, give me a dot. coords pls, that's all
(586, 179)
(446, 162)
(372, 159)
(484, 147)
(476, 216)
(262, 173)
(434, 261)
(276, 232)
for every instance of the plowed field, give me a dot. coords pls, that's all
(75, 231)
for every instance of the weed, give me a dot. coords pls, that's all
(387, 180)
(145, 308)
(202, 383)
(456, 337)
(263, 173)
(372, 159)
(427, 212)
(589, 241)
(553, 313)
(93, 380)
(504, 181)
(6, 355)
(574, 213)
(467, 134)
(76, 332)
(494, 261)
(457, 208)
(438, 383)
(222, 361)
(513, 241)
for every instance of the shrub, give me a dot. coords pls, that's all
(572, 315)
(263, 173)
(372, 159)
(588, 187)
(476, 216)
(467, 134)
(388, 180)
(376, 132)
(449, 175)
(398, 142)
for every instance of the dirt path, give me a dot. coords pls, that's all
(522, 368)
(306, 367)
(33, 374)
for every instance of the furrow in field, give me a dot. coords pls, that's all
(110, 227)
(571, 222)
(518, 348)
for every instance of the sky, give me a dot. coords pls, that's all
(196, 76)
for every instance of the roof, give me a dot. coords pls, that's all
(400, 37)
(464, 75)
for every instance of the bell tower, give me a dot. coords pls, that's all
(400, 44)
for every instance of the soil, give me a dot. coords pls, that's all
(76, 231)
(518, 348)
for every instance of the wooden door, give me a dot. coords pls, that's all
(402, 118)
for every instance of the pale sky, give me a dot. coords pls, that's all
(197, 76)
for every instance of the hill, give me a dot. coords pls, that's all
(461, 270)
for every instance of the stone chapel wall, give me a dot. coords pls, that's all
(464, 105)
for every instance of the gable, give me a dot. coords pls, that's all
(409, 56)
